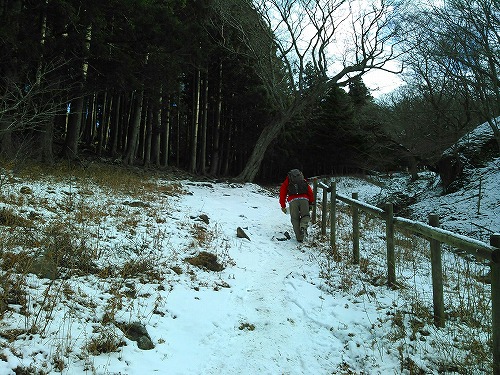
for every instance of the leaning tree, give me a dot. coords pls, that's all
(340, 40)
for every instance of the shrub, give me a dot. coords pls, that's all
(106, 341)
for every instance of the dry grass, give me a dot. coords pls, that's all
(58, 227)
(467, 298)
(10, 219)
(206, 261)
(67, 245)
(115, 177)
(106, 340)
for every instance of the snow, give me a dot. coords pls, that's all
(474, 139)
(277, 307)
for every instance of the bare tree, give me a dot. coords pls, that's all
(301, 49)
(462, 41)
(31, 105)
(434, 109)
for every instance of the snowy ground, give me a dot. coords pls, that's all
(277, 307)
(473, 211)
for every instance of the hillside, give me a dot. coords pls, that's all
(99, 263)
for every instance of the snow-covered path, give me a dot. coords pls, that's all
(269, 311)
(273, 318)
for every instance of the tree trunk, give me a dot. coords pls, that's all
(142, 130)
(214, 168)
(134, 132)
(90, 120)
(178, 140)
(413, 167)
(165, 138)
(100, 122)
(228, 154)
(128, 119)
(74, 125)
(148, 139)
(6, 145)
(196, 120)
(117, 125)
(43, 36)
(70, 150)
(46, 137)
(46, 133)
(203, 156)
(104, 124)
(157, 130)
(289, 111)
(252, 166)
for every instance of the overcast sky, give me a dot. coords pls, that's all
(381, 82)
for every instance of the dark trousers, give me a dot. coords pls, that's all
(299, 215)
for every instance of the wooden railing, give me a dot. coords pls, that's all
(436, 237)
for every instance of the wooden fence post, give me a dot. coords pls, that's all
(437, 276)
(315, 192)
(355, 231)
(389, 233)
(323, 213)
(495, 306)
(333, 214)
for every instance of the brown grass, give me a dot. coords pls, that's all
(206, 261)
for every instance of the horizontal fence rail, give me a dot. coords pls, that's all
(436, 237)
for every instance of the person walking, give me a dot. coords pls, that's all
(296, 191)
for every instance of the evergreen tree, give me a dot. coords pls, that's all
(358, 92)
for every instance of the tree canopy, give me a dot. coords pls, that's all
(244, 89)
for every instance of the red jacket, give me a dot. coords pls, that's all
(284, 197)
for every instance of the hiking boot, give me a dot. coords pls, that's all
(303, 232)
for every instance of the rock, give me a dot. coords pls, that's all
(287, 237)
(138, 333)
(241, 233)
(145, 343)
(201, 217)
(26, 190)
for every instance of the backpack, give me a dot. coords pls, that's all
(296, 183)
